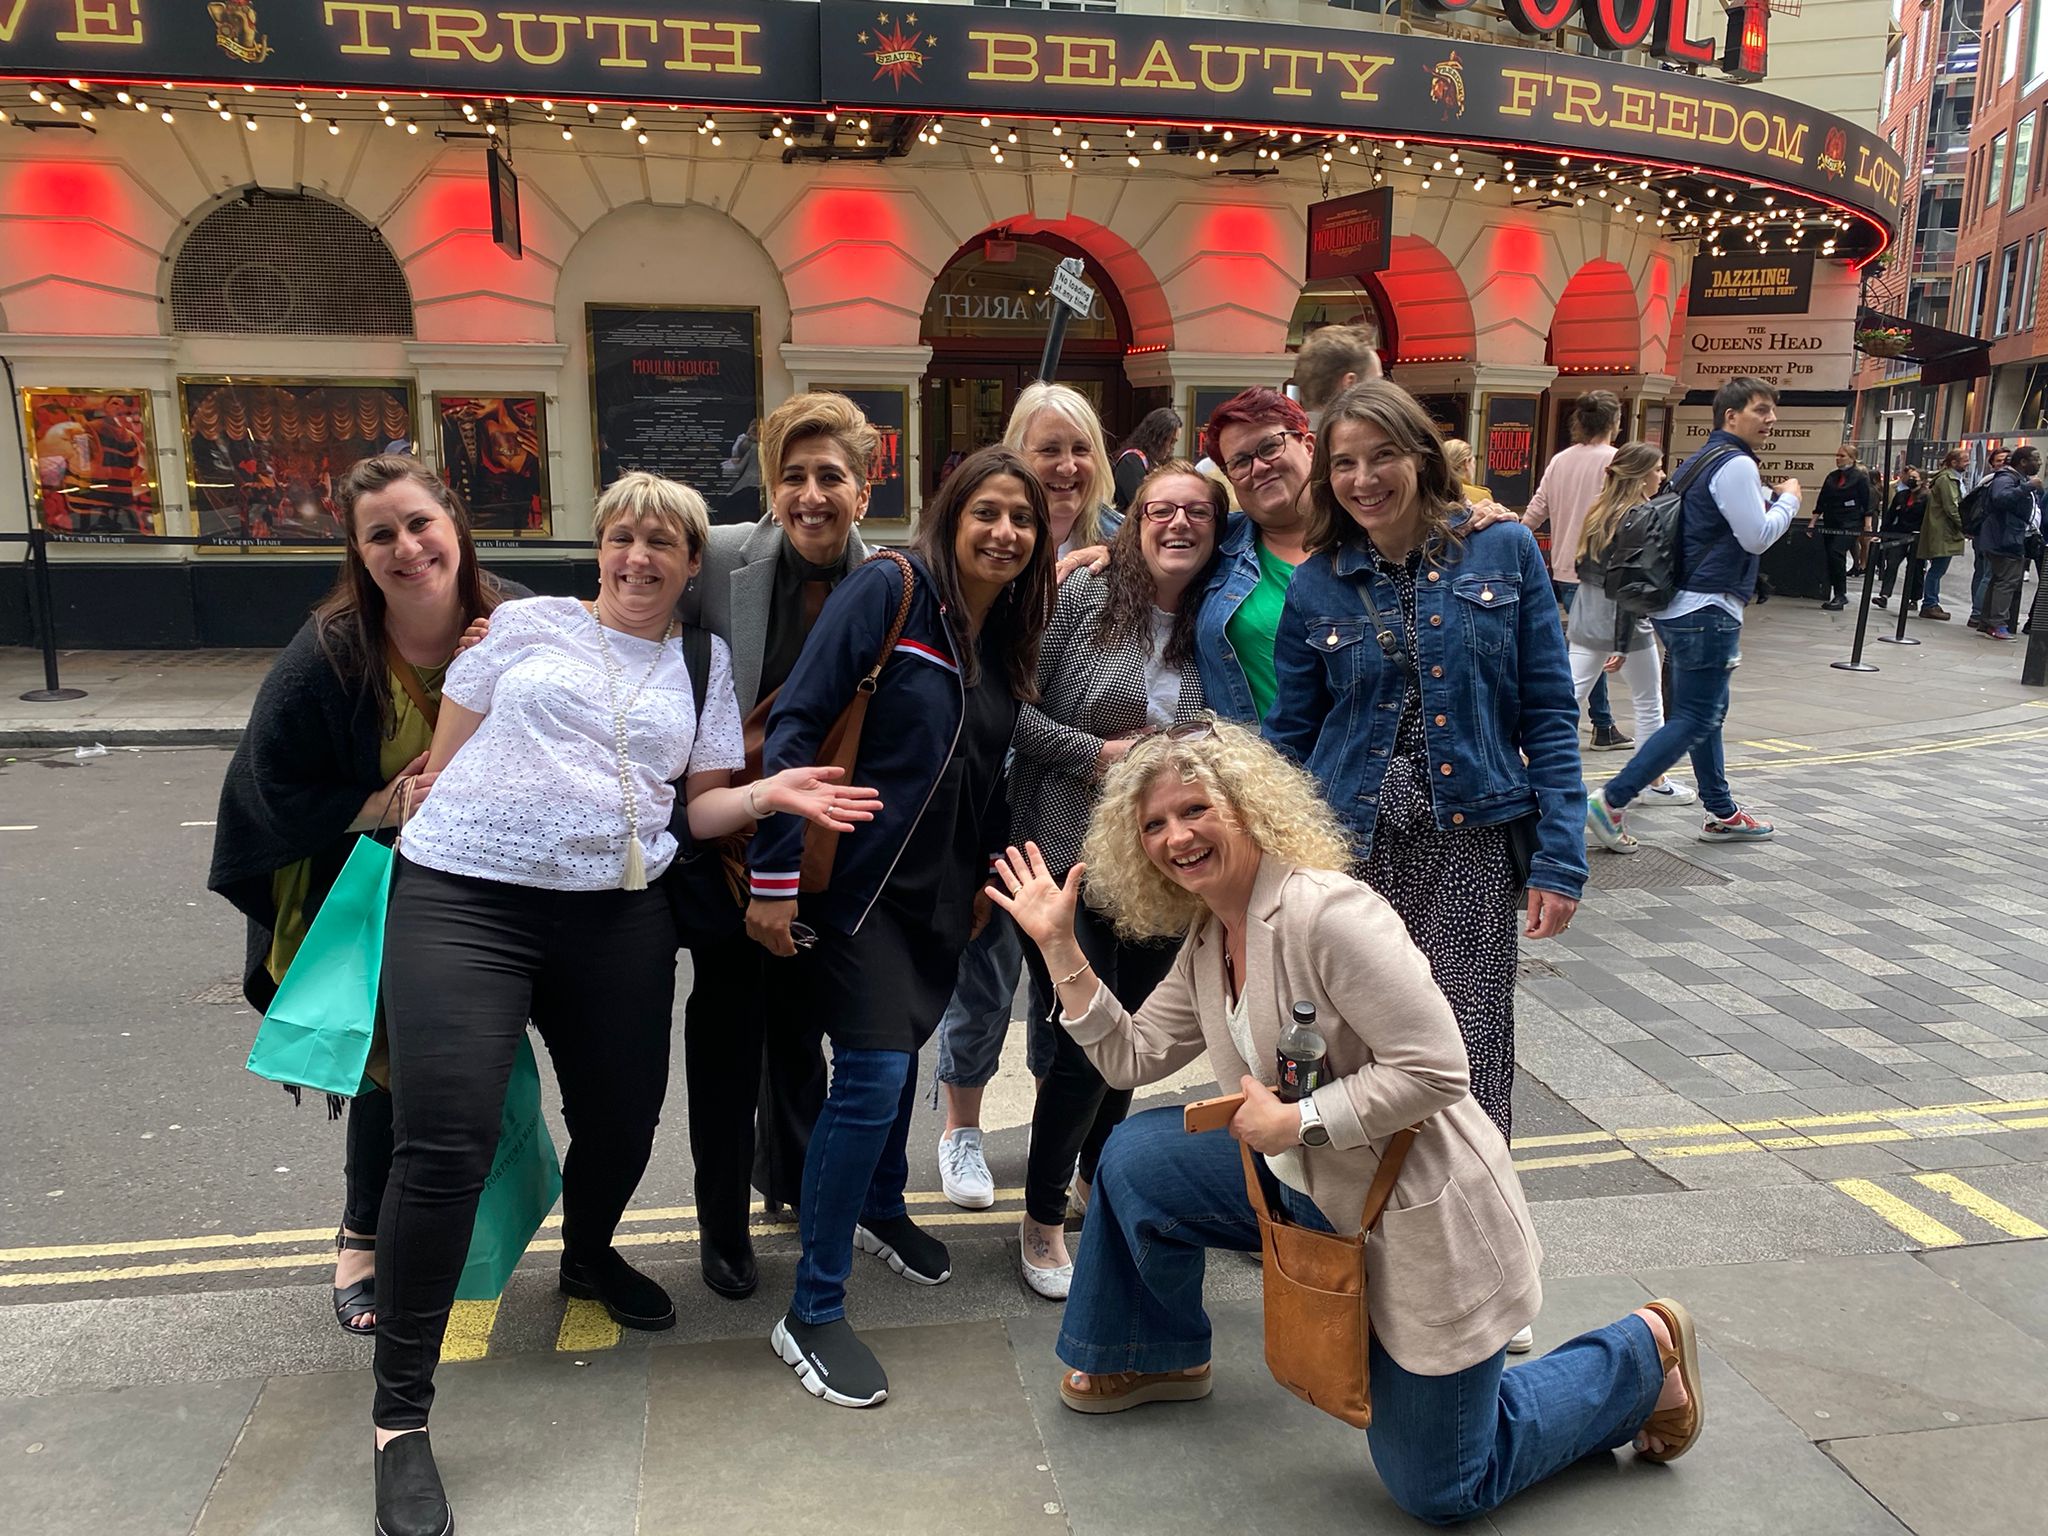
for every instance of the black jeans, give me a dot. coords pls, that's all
(2002, 606)
(1840, 541)
(369, 1159)
(743, 1048)
(466, 964)
(1895, 554)
(1076, 1110)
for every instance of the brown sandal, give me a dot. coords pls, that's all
(1677, 1427)
(1115, 1391)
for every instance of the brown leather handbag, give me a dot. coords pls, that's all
(1318, 1333)
(841, 746)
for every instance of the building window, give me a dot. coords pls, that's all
(1995, 182)
(1920, 58)
(1988, 81)
(2023, 304)
(2022, 161)
(2008, 280)
(2009, 63)
(2037, 45)
(288, 265)
(1980, 285)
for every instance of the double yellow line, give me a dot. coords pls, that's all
(1928, 1231)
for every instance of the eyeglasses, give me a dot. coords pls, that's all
(803, 935)
(1196, 729)
(1266, 450)
(1196, 512)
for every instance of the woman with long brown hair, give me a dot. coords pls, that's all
(342, 722)
(872, 954)
(1118, 661)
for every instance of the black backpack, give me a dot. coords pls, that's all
(1641, 559)
(699, 896)
(1971, 508)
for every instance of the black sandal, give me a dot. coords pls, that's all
(354, 1302)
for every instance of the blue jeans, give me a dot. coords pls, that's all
(972, 1029)
(1446, 1447)
(854, 1172)
(1930, 591)
(1702, 647)
(1597, 709)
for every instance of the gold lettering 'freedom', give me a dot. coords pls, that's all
(371, 29)
(1573, 101)
(1024, 58)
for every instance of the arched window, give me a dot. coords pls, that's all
(288, 264)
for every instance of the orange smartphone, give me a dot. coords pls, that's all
(1212, 1114)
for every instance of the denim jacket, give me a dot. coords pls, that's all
(1236, 573)
(1496, 689)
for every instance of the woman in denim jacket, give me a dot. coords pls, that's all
(1424, 682)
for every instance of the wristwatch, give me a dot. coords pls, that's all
(1313, 1132)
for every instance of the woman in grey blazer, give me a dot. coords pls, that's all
(1117, 660)
(1211, 833)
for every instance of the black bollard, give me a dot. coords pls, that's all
(1913, 570)
(1856, 663)
(46, 627)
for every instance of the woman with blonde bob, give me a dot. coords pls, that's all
(523, 893)
(1206, 833)
(1604, 639)
(1057, 433)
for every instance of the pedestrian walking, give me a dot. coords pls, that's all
(1118, 660)
(1841, 516)
(761, 589)
(1602, 638)
(1899, 534)
(343, 721)
(1216, 838)
(523, 892)
(1726, 523)
(1571, 480)
(943, 645)
(1941, 530)
(1151, 442)
(1330, 360)
(1424, 682)
(1059, 436)
(2011, 521)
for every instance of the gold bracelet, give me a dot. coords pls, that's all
(1072, 976)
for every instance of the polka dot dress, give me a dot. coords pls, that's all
(1454, 889)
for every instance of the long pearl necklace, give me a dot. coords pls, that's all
(635, 876)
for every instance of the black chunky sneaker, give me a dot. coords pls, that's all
(410, 1501)
(831, 1362)
(633, 1300)
(906, 1248)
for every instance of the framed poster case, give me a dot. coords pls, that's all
(494, 454)
(887, 408)
(92, 464)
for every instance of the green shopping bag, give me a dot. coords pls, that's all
(317, 1031)
(524, 1182)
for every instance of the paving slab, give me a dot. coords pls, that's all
(1722, 1226)
(1867, 1346)
(524, 1443)
(735, 1445)
(2010, 1279)
(1752, 1471)
(1987, 1480)
(137, 1461)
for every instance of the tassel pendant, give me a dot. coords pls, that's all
(636, 866)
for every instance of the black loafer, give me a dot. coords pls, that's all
(729, 1268)
(632, 1300)
(410, 1500)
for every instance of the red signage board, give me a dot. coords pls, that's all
(1350, 236)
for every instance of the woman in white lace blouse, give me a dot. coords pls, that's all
(523, 892)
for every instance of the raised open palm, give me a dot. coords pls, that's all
(1039, 904)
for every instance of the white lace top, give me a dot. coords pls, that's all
(533, 797)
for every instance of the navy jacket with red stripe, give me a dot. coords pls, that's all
(909, 736)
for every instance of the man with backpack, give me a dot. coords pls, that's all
(1725, 521)
(2006, 522)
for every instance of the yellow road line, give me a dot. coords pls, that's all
(1530, 1164)
(469, 1330)
(586, 1328)
(1916, 749)
(1909, 1219)
(1981, 1205)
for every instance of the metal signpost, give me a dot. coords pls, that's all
(1075, 298)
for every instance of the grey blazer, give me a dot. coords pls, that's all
(731, 595)
(1453, 1263)
(1086, 696)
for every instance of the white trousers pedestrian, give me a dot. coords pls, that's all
(1640, 672)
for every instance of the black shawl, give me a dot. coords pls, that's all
(306, 763)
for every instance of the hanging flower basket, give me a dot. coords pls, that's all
(1884, 341)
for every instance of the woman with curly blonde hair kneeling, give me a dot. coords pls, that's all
(1205, 833)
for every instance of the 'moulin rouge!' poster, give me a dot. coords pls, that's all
(677, 391)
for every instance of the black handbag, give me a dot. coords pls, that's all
(701, 897)
(1521, 849)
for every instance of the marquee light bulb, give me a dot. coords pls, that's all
(1084, 143)
(1229, 135)
(122, 97)
(383, 105)
(642, 138)
(1425, 183)
(716, 141)
(142, 106)
(1010, 137)
(332, 125)
(863, 125)
(1132, 160)
(1055, 130)
(86, 114)
(167, 117)
(249, 123)
(411, 126)
(984, 122)
(76, 85)
(491, 129)
(212, 102)
(629, 123)
(1159, 144)
(590, 107)
(568, 135)
(305, 117)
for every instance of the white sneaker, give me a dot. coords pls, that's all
(1523, 1341)
(1673, 792)
(963, 1171)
